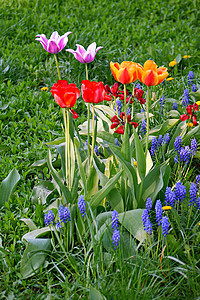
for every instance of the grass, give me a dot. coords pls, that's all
(29, 118)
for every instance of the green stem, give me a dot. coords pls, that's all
(125, 106)
(93, 135)
(88, 110)
(86, 71)
(147, 134)
(66, 143)
(68, 149)
(57, 67)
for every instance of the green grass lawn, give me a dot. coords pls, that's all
(29, 118)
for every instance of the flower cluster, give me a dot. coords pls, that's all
(82, 205)
(190, 77)
(191, 109)
(193, 194)
(120, 122)
(162, 103)
(184, 154)
(170, 197)
(143, 127)
(157, 143)
(63, 215)
(138, 93)
(115, 227)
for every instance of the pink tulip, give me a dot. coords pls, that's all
(85, 56)
(56, 42)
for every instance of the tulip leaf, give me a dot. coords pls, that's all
(126, 145)
(34, 256)
(101, 194)
(8, 185)
(179, 130)
(140, 156)
(132, 221)
(95, 294)
(191, 134)
(31, 225)
(106, 136)
(80, 165)
(62, 188)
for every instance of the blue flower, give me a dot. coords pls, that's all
(190, 77)
(193, 146)
(148, 226)
(145, 216)
(170, 197)
(117, 142)
(49, 218)
(194, 88)
(58, 225)
(116, 238)
(119, 105)
(176, 159)
(149, 204)
(175, 106)
(180, 192)
(185, 154)
(160, 141)
(193, 194)
(96, 150)
(143, 127)
(198, 203)
(198, 178)
(138, 86)
(153, 146)
(162, 103)
(128, 111)
(165, 225)
(166, 139)
(64, 214)
(115, 219)
(159, 211)
(82, 205)
(177, 144)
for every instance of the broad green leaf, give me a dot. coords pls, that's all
(34, 256)
(42, 191)
(62, 188)
(57, 141)
(168, 124)
(132, 221)
(101, 194)
(106, 136)
(29, 223)
(80, 165)
(8, 185)
(191, 134)
(179, 130)
(36, 233)
(178, 58)
(92, 183)
(140, 156)
(126, 145)
(61, 150)
(95, 294)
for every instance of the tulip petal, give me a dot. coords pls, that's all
(55, 36)
(80, 49)
(87, 95)
(150, 65)
(59, 101)
(63, 40)
(124, 76)
(69, 99)
(98, 48)
(162, 77)
(92, 49)
(53, 47)
(120, 130)
(150, 78)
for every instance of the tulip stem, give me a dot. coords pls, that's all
(147, 134)
(68, 149)
(93, 134)
(66, 142)
(88, 135)
(58, 70)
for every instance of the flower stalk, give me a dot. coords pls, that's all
(147, 134)
(93, 137)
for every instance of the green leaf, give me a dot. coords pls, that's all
(132, 221)
(140, 156)
(80, 165)
(100, 195)
(178, 131)
(42, 191)
(36, 233)
(34, 256)
(191, 134)
(8, 185)
(95, 294)
(106, 136)
(29, 223)
(126, 145)
(62, 188)
(178, 58)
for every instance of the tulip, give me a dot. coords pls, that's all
(85, 56)
(92, 91)
(126, 72)
(56, 42)
(65, 94)
(150, 74)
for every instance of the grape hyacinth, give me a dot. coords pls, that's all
(117, 142)
(49, 218)
(194, 88)
(193, 146)
(159, 211)
(198, 179)
(170, 197)
(176, 159)
(115, 219)
(177, 144)
(64, 214)
(153, 146)
(58, 225)
(185, 154)
(82, 205)
(166, 139)
(162, 103)
(175, 106)
(148, 226)
(186, 97)
(119, 106)
(198, 203)
(160, 141)
(190, 77)
(193, 194)
(138, 86)
(128, 111)
(143, 127)
(180, 192)
(148, 204)
(116, 238)
(165, 225)
(145, 217)
(96, 150)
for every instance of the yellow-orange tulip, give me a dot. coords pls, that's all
(150, 74)
(126, 72)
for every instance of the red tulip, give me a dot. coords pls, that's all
(92, 91)
(65, 94)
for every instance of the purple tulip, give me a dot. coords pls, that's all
(85, 56)
(56, 42)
